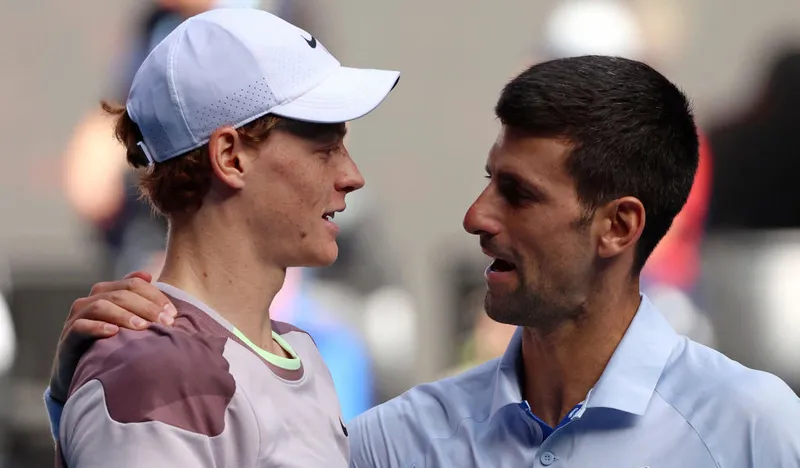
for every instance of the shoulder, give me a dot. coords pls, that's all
(439, 406)
(287, 329)
(737, 411)
(428, 411)
(299, 339)
(708, 372)
(161, 374)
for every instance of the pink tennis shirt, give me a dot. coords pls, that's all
(200, 394)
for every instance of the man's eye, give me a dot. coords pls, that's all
(330, 151)
(511, 193)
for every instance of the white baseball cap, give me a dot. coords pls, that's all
(230, 67)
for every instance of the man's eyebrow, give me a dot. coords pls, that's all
(319, 133)
(337, 132)
(524, 184)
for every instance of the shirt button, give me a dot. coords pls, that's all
(547, 458)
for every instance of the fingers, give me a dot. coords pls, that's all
(131, 303)
(140, 274)
(94, 328)
(160, 309)
(132, 282)
(150, 292)
(124, 309)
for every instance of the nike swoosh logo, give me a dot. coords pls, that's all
(311, 42)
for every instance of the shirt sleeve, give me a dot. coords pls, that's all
(91, 439)
(54, 410)
(761, 420)
(383, 437)
(159, 402)
(774, 432)
(367, 446)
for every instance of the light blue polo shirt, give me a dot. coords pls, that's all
(663, 401)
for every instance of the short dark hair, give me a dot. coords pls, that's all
(632, 129)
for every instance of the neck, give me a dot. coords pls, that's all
(561, 366)
(207, 260)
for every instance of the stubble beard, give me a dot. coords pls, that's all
(527, 308)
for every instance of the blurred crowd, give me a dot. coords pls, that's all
(727, 274)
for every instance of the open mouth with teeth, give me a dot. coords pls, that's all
(501, 266)
(329, 216)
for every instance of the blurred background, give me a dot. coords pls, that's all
(404, 303)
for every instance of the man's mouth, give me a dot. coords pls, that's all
(499, 265)
(329, 215)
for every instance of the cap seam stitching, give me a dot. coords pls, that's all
(174, 88)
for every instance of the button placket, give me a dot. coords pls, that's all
(547, 458)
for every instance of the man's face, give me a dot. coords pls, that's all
(532, 224)
(302, 182)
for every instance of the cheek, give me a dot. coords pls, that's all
(553, 249)
(302, 204)
(296, 192)
(293, 195)
(279, 209)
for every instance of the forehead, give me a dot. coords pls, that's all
(537, 159)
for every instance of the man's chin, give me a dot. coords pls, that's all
(503, 309)
(521, 310)
(528, 311)
(321, 257)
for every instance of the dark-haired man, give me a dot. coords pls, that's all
(595, 158)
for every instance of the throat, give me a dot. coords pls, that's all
(243, 301)
(559, 371)
(560, 366)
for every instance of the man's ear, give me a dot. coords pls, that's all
(623, 221)
(226, 157)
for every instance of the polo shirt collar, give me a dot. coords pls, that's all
(630, 378)
(507, 386)
(628, 381)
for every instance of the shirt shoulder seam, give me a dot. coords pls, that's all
(255, 415)
(690, 424)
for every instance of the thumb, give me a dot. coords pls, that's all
(140, 274)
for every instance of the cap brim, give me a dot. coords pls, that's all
(347, 94)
